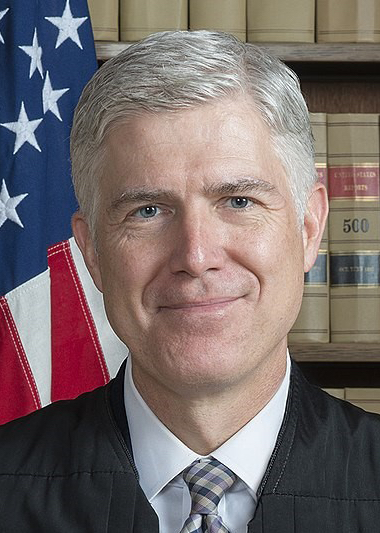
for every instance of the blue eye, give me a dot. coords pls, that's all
(239, 202)
(147, 211)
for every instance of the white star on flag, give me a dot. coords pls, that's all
(50, 97)
(24, 130)
(8, 206)
(2, 13)
(35, 53)
(68, 26)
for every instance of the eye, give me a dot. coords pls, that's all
(148, 211)
(240, 202)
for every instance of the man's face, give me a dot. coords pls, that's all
(200, 257)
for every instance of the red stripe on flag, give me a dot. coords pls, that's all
(78, 363)
(18, 391)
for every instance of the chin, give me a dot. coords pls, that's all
(204, 368)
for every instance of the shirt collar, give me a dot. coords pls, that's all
(160, 456)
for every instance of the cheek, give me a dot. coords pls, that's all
(127, 270)
(276, 256)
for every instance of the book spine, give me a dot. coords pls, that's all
(367, 399)
(104, 19)
(220, 15)
(139, 18)
(279, 21)
(354, 228)
(337, 393)
(313, 321)
(348, 21)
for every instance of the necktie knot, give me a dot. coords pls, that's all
(207, 482)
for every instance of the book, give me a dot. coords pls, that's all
(318, 123)
(104, 19)
(366, 398)
(139, 18)
(354, 227)
(221, 15)
(276, 20)
(337, 393)
(353, 21)
(313, 321)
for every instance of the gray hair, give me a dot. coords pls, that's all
(173, 71)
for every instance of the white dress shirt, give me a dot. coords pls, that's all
(160, 458)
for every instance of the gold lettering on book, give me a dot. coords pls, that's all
(355, 172)
(356, 187)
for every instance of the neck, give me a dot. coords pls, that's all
(203, 422)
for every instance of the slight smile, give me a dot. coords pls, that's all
(213, 304)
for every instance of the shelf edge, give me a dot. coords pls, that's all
(291, 52)
(336, 353)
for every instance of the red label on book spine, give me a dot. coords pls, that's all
(353, 181)
(322, 174)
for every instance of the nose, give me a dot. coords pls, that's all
(198, 246)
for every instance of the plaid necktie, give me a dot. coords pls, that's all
(207, 482)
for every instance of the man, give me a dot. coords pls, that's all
(199, 214)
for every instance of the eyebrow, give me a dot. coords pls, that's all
(140, 195)
(241, 185)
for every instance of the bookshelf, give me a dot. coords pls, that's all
(288, 52)
(335, 78)
(336, 353)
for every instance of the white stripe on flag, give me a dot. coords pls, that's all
(114, 350)
(30, 306)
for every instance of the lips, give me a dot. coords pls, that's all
(209, 303)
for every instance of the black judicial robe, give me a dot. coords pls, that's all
(68, 468)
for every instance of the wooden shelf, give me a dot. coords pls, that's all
(291, 52)
(335, 52)
(107, 49)
(336, 353)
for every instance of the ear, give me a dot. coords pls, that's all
(314, 224)
(86, 245)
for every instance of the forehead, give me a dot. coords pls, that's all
(207, 143)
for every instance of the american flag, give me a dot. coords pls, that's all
(55, 341)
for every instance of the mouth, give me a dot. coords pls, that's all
(213, 304)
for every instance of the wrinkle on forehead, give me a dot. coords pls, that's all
(217, 144)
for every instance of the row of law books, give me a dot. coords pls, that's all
(306, 21)
(341, 301)
(365, 398)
